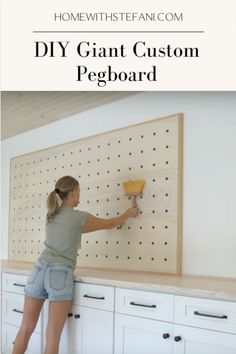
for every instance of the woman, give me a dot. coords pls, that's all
(53, 274)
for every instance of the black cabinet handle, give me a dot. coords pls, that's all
(94, 297)
(17, 284)
(70, 314)
(208, 315)
(133, 303)
(18, 311)
(165, 335)
(77, 316)
(13, 342)
(177, 338)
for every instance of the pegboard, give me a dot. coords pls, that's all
(151, 151)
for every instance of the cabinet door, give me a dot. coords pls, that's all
(195, 341)
(136, 335)
(86, 331)
(9, 333)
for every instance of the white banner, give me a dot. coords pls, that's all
(152, 45)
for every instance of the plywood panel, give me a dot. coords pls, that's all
(150, 151)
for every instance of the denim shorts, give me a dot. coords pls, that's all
(50, 280)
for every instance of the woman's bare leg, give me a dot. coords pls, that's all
(32, 308)
(57, 315)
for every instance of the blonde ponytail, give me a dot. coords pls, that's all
(63, 186)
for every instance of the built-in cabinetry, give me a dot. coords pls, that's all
(115, 320)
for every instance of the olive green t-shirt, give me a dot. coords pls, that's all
(63, 236)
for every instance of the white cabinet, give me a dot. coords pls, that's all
(88, 331)
(138, 328)
(189, 340)
(216, 326)
(9, 333)
(136, 335)
(142, 328)
(12, 313)
(89, 328)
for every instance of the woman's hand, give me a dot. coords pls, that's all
(133, 211)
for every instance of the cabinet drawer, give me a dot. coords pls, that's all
(12, 310)
(145, 304)
(14, 283)
(8, 336)
(204, 313)
(96, 296)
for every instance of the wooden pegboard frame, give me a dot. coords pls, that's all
(153, 151)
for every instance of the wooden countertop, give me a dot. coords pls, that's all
(196, 286)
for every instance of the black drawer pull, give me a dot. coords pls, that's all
(177, 338)
(77, 315)
(133, 303)
(165, 335)
(208, 315)
(17, 284)
(13, 342)
(70, 314)
(94, 297)
(18, 311)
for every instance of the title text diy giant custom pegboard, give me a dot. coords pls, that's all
(151, 151)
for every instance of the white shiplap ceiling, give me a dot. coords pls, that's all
(23, 111)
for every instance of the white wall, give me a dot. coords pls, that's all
(209, 227)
